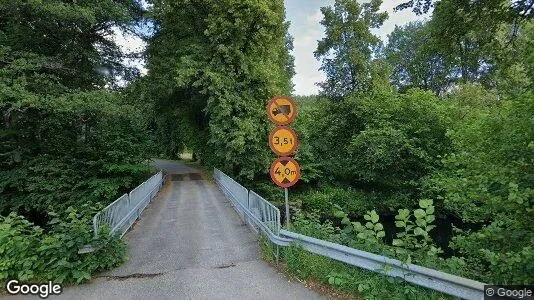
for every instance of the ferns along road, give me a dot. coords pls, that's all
(190, 243)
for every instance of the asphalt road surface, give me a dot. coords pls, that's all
(190, 244)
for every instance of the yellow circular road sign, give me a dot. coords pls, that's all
(283, 140)
(285, 172)
(281, 110)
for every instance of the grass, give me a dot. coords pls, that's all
(343, 281)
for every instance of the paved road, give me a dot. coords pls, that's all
(190, 244)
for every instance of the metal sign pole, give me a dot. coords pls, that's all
(287, 208)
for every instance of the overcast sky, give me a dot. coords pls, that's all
(306, 30)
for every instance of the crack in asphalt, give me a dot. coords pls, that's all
(225, 266)
(135, 275)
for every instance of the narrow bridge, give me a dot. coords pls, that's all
(190, 244)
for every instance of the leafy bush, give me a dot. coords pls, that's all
(488, 180)
(308, 224)
(31, 253)
(385, 141)
(351, 200)
(355, 281)
(74, 149)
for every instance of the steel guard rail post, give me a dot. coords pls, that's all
(260, 215)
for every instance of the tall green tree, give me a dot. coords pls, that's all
(462, 43)
(506, 10)
(214, 65)
(411, 53)
(64, 137)
(348, 48)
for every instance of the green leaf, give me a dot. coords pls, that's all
(420, 222)
(374, 216)
(425, 203)
(339, 214)
(398, 242)
(419, 213)
(418, 231)
(357, 226)
(403, 214)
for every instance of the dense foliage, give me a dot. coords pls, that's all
(439, 170)
(213, 66)
(34, 253)
(67, 138)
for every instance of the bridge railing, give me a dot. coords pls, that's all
(122, 213)
(263, 216)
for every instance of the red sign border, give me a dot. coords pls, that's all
(271, 172)
(290, 119)
(295, 144)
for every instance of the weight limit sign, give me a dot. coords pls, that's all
(283, 141)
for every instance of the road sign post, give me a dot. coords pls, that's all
(287, 206)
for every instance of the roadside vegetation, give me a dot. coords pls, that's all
(71, 140)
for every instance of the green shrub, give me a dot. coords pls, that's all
(349, 199)
(361, 283)
(32, 254)
(488, 180)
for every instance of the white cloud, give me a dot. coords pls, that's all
(129, 44)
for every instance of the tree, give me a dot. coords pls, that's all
(508, 10)
(347, 49)
(487, 179)
(462, 43)
(64, 138)
(214, 65)
(410, 51)
(70, 42)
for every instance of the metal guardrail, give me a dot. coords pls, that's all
(122, 213)
(261, 215)
(430, 278)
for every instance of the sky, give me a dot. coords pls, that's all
(306, 30)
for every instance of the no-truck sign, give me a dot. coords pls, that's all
(281, 110)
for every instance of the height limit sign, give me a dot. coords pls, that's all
(283, 140)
